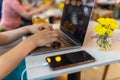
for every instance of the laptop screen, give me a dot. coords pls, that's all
(75, 18)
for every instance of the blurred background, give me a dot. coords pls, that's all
(106, 8)
(102, 8)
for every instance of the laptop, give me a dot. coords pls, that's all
(73, 27)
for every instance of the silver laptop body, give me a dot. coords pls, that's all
(74, 23)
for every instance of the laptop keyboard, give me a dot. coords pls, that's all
(66, 42)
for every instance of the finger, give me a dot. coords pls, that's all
(54, 39)
(37, 26)
(40, 26)
(54, 33)
(49, 26)
(48, 45)
(44, 26)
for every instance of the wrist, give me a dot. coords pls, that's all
(29, 44)
(26, 28)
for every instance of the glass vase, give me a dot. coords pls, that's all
(104, 44)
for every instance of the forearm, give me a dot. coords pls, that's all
(28, 14)
(33, 11)
(11, 59)
(10, 36)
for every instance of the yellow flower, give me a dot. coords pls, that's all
(61, 5)
(97, 28)
(109, 32)
(102, 31)
(101, 21)
(113, 26)
(106, 26)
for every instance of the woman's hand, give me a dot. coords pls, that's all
(38, 27)
(44, 37)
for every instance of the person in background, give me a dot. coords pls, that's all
(13, 11)
(79, 3)
(73, 2)
(11, 59)
(67, 2)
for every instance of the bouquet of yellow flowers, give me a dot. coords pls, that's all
(105, 29)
